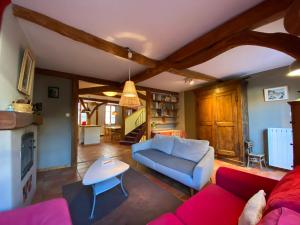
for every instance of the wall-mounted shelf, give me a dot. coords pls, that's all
(14, 120)
(158, 117)
(164, 110)
(166, 123)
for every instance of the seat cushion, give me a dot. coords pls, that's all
(189, 149)
(163, 143)
(170, 161)
(286, 193)
(281, 216)
(213, 205)
(166, 219)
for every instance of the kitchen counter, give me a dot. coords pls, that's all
(89, 134)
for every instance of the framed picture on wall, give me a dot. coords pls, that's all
(276, 94)
(25, 83)
(53, 92)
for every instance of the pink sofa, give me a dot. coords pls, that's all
(223, 202)
(53, 212)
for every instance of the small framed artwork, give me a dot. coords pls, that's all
(25, 83)
(276, 94)
(53, 92)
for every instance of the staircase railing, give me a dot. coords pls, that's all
(135, 120)
(141, 119)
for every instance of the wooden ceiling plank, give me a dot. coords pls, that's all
(80, 35)
(283, 42)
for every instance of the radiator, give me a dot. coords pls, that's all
(280, 149)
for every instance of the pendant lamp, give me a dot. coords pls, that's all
(129, 97)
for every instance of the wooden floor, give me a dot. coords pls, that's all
(49, 184)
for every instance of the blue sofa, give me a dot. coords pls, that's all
(188, 161)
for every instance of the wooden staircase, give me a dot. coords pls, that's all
(137, 133)
(134, 136)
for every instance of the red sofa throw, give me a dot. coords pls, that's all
(286, 193)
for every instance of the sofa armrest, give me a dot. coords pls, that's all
(51, 212)
(141, 146)
(204, 169)
(243, 184)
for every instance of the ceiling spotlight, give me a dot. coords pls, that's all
(189, 81)
(294, 69)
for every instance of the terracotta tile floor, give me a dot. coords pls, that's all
(49, 184)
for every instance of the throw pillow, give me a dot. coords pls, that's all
(281, 216)
(163, 143)
(253, 209)
(189, 149)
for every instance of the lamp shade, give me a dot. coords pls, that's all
(294, 69)
(129, 97)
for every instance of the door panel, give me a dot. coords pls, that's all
(205, 115)
(226, 124)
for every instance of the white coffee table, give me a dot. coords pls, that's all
(103, 176)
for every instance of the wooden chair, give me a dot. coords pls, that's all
(253, 157)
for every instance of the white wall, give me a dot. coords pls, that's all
(12, 45)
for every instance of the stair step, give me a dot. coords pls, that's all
(129, 138)
(124, 142)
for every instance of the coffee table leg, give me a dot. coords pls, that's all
(94, 202)
(122, 186)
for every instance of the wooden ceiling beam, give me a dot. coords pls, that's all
(71, 76)
(96, 90)
(256, 16)
(259, 15)
(283, 42)
(192, 74)
(83, 37)
(79, 35)
(98, 100)
(292, 18)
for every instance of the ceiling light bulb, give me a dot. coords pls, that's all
(110, 93)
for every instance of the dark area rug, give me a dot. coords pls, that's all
(145, 202)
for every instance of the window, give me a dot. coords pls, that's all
(83, 118)
(110, 118)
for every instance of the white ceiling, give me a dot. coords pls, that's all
(247, 60)
(154, 28)
(169, 82)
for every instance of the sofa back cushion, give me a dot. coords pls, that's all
(189, 149)
(286, 193)
(281, 216)
(163, 143)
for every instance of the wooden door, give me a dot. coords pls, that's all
(226, 129)
(205, 118)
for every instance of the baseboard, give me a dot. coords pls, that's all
(53, 168)
(232, 161)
